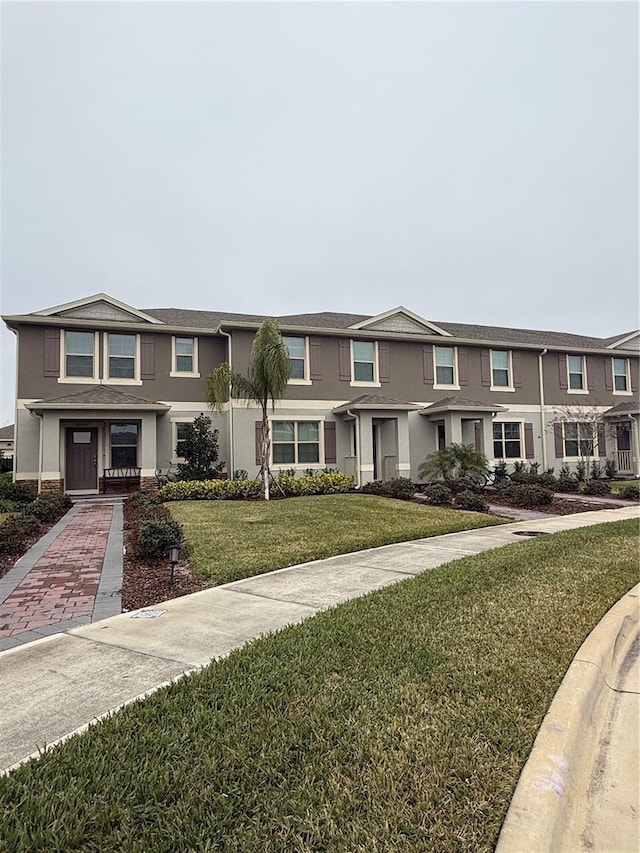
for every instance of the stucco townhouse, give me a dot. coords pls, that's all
(103, 386)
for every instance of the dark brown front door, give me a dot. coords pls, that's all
(81, 459)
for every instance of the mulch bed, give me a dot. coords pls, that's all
(8, 561)
(558, 506)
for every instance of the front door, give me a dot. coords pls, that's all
(81, 472)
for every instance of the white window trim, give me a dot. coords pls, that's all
(359, 383)
(585, 389)
(301, 466)
(511, 459)
(594, 456)
(175, 459)
(508, 387)
(107, 380)
(305, 380)
(78, 380)
(184, 374)
(628, 392)
(456, 375)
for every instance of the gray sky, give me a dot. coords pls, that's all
(476, 162)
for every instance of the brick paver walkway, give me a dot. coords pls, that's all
(63, 583)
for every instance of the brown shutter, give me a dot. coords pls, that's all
(427, 364)
(148, 356)
(591, 373)
(633, 370)
(485, 367)
(315, 358)
(51, 363)
(528, 441)
(517, 376)
(344, 361)
(383, 356)
(562, 371)
(477, 435)
(463, 366)
(258, 440)
(602, 441)
(559, 443)
(330, 443)
(607, 365)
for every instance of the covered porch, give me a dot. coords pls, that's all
(621, 423)
(458, 420)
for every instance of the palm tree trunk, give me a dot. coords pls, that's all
(265, 452)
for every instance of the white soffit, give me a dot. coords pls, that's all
(100, 306)
(400, 319)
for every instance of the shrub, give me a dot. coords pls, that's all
(400, 488)
(15, 492)
(500, 472)
(6, 505)
(596, 470)
(610, 469)
(566, 482)
(631, 492)
(596, 487)
(455, 462)
(240, 474)
(15, 530)
(471, 501)
(376, 487)
(438, 494)
(525, 495)
(49, 507)
(200, 451)
(229, 490)
(156, 535)
(531, 478)
(581, 471)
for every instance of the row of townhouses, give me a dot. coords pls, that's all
(102, 386)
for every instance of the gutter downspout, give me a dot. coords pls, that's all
(357, 420)
(636, 444)
(231, 447)
(542, 422)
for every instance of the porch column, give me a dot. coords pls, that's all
(453, 428)
(365, 460)
(148, 455)
(403, 465)
(50, 443)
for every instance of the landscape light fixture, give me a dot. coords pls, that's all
(174, 556)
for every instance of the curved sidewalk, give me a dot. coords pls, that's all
(57, 685)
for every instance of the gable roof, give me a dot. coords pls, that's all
(375, 401)
(98, 397)
(460, 404)
(400, 319)
(100, 306)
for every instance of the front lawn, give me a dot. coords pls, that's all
(229, 540)
(399, 721)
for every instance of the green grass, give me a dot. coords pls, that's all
(618, 485)
(399, 721)
(229, 540)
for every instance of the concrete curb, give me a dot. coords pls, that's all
(551, 798)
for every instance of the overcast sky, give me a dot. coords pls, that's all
(475, 162)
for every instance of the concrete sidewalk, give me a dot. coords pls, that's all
(59, 684)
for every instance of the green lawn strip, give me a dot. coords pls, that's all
(229, 540)
(398, 721)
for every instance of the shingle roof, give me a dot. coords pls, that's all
(6, 432)
(627, 407)
(375, 401)
(455, 403)
(100, 395)
(341, 321)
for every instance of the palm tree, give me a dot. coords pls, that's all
(269, 370)
(455, 462)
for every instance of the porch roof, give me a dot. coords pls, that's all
(627, 407)
(375, 401)
(98, 397)
(460, 404)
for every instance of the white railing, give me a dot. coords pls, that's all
(624, 462)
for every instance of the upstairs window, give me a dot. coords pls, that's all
(79, 354)
(620, 374)
(445, 363)
(364, 362)
(296, 442)
(184, 356)
(576, 373)
(500, 369)
(297, 349)
(578, 439)
(122, 356)
(124, 445)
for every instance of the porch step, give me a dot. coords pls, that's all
(98, 499)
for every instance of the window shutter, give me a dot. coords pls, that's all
(602, 441)
(607, 364)
(633, 370)
(557, 437)
(591, 373)
(477, 435)
(383, 365)
(330, 443)
(344, 361)
(485, 367)
(51, 362)
(463, 366)
(528, 441)
(515, 363)
(148, 357)
(427, 364)
(258, 440)
(315, 358)
(562, 371)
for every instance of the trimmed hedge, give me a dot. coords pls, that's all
(438, 494)
(520, 494)
(470, 501)
(631, 492)
(16, 530)
(596, 487)
(230, 490)
(400, 488)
